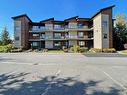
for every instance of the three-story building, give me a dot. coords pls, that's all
(52, 34)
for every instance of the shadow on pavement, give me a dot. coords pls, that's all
(104, 55)
(50, 85)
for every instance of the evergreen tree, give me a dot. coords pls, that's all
(5, 39)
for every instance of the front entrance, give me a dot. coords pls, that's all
(42, 44)
(60, 44)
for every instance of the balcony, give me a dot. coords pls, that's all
(41, 29)
(65, 28)
(81, 38)
(82, 28)
(59, 28)
(67, 37)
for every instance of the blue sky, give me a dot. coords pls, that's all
(60, 9)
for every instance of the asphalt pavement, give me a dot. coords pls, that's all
(63, 74)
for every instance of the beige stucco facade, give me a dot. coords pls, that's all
(97, 25)
(101, 31)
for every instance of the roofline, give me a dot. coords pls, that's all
(47, 19)
(23, 15)
(58, 21)
(102, 10)
(85, 18)
(71, 18)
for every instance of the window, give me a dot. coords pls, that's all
(72, 25)
(81, 34)
(49, 26)
(35, 35)
(17, 28)
(42, 36)
(16, 38)
(17, 25)
(35, 44)
(105, 36)
(105, 23)
(82, 43)
(80, 25)
(57, 44)
(57, 35)
(57, 27)
(35, 28)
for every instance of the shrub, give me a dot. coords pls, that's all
(105, 50)
(75, 48)
(65, 50)
(83, 49)
(9, 47)
(95, 50)
(45, 50)
(16, 50)
(109, 50)
(3, 49)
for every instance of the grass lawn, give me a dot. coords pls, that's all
(123, 52)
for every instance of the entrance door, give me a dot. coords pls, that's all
(43, 44)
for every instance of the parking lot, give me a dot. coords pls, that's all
(63, 74)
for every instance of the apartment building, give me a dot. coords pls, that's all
(53, 34)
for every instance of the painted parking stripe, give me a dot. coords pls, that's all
(49, 86)
(115, 81)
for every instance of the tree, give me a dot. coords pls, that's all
(121, 19)
(5, 39)
(120, 31)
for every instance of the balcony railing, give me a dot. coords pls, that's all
(40, 29)
(58, 28)
(62, 37)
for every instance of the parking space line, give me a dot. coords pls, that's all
(115, 81)
(53, 80)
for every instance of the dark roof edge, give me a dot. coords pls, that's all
(47, 19)
(102, 10)
(71, 18)
(23, 15)
(84, 18)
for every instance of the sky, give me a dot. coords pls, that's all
(39, 10)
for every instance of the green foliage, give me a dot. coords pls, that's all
(109, 50)
(120, 32)
(9, 48)
(123, 51)
(83, 49)
(78, 49)
(5, 39)
(75, 49)
(105, 50)
(2, 48)
(95, 50)
(16, 50)
(121, 19)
